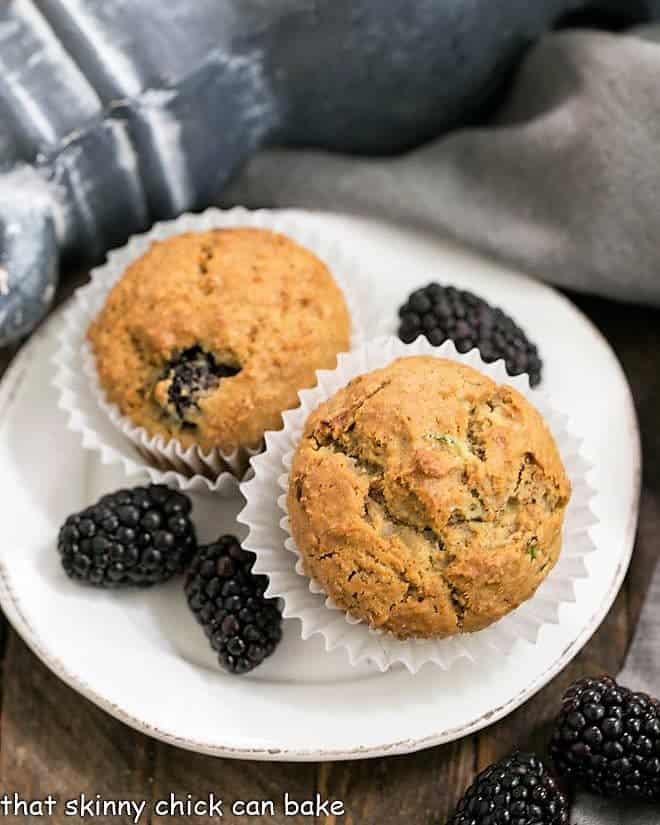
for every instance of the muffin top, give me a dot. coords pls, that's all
(208, 336)
(427, 500)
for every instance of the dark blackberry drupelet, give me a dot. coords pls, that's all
(517, 790)
(132, 537)
(442, 312)
(607, 739)
(192, 373)
(227, 598)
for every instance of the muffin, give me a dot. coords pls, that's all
(426, 499)
(208, 336)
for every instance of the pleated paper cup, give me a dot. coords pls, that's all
(100, 422)
(266, 517)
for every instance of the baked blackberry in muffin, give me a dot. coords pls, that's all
(208, 336)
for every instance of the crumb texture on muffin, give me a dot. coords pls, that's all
(426, 499)
(208, 336)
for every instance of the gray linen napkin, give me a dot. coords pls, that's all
(564, 184)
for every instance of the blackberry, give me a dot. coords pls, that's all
(607, 739)
(227, 599)
(140, 536)
(442, 312)
(190, 374)
(515, 791)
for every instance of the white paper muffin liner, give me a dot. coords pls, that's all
(84, 400)
(265, 516)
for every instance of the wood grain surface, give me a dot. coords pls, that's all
(54, 741)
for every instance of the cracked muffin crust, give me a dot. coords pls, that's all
(426, 499)
(208, 336)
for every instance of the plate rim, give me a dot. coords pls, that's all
(10, 387)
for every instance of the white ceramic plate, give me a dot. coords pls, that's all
(141, 656)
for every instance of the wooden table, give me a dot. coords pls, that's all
(54, 741)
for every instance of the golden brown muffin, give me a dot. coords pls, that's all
(427, 500)
(208, 336)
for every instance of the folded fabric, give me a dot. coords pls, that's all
(565, 183)
(116, 114)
